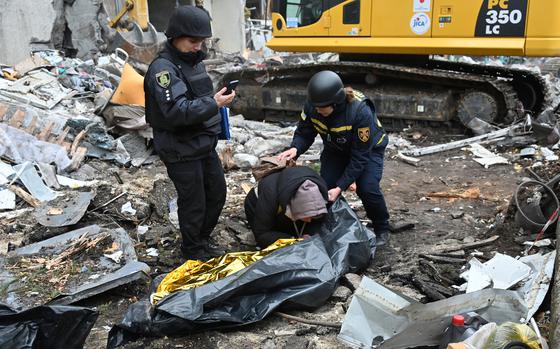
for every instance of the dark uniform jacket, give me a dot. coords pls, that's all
(267, 215)
(352, 131)
(180, 106)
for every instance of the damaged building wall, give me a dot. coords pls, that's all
(41, 24)
(81, 16)
(228, 18)
(23, 23)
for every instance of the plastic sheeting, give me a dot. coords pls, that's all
(303, 275)
(45, 327)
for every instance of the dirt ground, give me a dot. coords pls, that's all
(398, 265)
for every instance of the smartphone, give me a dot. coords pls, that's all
(231, 86)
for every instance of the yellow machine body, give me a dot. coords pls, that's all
(422, 27)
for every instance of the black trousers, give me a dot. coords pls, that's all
(201, 195)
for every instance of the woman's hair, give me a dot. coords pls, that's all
(350, 96)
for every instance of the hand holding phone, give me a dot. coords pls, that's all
(231, 86)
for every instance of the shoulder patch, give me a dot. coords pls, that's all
(163, 79)
(303, 116)
(363, 134)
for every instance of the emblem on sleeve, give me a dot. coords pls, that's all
(363, 134)
(163, 79)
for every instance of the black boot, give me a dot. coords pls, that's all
(214, 250)
(199, 253)
(382, 238)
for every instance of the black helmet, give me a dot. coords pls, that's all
(189, 21)
(325, 88)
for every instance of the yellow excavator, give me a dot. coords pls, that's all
(130, 29)
(387, 50)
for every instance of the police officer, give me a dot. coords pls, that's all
(354, 144)
(183, 111)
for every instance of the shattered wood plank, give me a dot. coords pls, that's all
(17, 119)
(439, 259)
(461, 143)
(32, 125)
(466, 246)
(430, 289)
(46, 131)
(3, 110)
(77, 157)
(77, 141)
(62, 135)
(25, 195)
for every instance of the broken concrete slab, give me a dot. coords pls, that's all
(53, 252)
(64, 211)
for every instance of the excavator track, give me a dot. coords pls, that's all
(437, 93)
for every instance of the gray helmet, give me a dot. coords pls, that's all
(189, 21)
(325, 88)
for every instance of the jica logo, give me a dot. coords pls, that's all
(420, 23)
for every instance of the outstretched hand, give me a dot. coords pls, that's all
(222, 99)
(288, 154)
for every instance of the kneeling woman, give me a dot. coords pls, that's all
(286, 204)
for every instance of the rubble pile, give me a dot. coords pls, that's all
(87, 208)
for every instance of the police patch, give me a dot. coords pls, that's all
(163, 79)
(363, 134)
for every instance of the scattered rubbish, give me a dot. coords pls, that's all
(62, 266)
(408, 159)
(152, 252)
(127, 208)
(74, 183)
(462, 327)
(406, 323)
(7, 199)
(115, 256)
(492, 136)
(304, 274)
(485, 157)
(535, 288)
(535, 202)
(142, 229)
(502, 272)
(34, 183)
(46, 327)
(540, 243)
(472, 193)
(64, 211)
(527, 152)
(38, 88)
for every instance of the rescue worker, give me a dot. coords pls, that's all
(184, 113)
(286, 204)
(354, 144)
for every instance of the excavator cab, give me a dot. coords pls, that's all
(131, 30)
(418, 27)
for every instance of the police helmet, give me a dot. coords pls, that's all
(189, 21)
(325, 88)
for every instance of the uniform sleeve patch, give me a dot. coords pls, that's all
(363, 134)
(163, 79)
(303, 116)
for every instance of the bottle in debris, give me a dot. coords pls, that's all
(458, 331)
